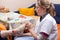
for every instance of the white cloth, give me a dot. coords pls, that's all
(48, 26)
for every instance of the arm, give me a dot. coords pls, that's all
(5, 33)
(26, 34)
(40, 36)
(44, 31)
(30, 28)
(33, 34)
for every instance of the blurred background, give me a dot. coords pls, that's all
(13, 5)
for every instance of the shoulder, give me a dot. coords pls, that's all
(49, 18)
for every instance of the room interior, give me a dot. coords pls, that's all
(15, 6)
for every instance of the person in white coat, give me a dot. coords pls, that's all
(46, 27)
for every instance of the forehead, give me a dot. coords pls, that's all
(37, 4)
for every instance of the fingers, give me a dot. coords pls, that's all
(29, 25)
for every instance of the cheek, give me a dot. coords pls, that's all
(37, 10)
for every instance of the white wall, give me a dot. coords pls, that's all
(55, 1)
(15, 4)
(1, 3)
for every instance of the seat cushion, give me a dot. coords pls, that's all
(27, 11)
(58, 31)
(57, 9)
(57, 18)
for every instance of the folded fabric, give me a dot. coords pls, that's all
(27, 11)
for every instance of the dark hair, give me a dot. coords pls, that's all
(49, 7)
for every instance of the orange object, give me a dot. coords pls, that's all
(27, 11)
(2, 27)
(58, 25)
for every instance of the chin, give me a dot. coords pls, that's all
(38, 14)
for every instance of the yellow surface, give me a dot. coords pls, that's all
(27, 11)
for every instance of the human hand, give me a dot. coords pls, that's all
(29, 25)
(17, 32)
